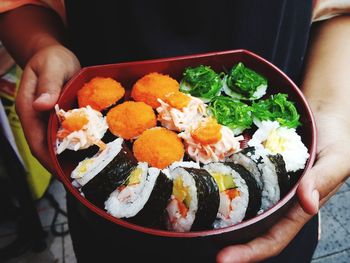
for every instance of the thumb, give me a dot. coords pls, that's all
(48, 91)
(324, 178)
(307, 191)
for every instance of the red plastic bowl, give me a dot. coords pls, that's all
(127, 74)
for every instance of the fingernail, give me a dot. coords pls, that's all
(43, 97)
(316, 197)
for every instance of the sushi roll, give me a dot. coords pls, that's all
(269, 172)
(142, 198)
(100, 93)
(244, 83)
(129, 119)
(152, 87)
(111, 173)
(194, 201)
(80, 129)
(178, 111)
(240, 196)
(244, 159)
(90, 167)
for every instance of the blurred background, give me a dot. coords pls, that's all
(33, 222)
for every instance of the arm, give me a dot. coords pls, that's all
(34, 36)
(327, 88)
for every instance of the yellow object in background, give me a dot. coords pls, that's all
(37, 176)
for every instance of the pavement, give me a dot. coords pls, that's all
(333, 247)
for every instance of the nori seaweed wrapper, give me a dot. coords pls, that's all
(112, 176)
(282, 175)
(151, 214)
(208, 199)
(254, 203)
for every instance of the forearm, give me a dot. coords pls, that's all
(27, 29)
(326, 82)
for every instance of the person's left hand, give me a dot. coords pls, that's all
(331, 169)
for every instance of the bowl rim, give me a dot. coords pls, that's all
(192, 234)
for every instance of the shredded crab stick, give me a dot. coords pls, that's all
(210, 141)
(226, 198)
(80, 128)
(179, 206)
(178, 111)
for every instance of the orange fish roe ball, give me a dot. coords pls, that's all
(153, 86)
(129, 119)
(177, 100)
(100, 93)
(75, 122)
(207, 133)
(158, 147)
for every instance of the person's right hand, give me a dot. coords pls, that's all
(41, 84)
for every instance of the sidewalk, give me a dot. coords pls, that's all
(334, 246)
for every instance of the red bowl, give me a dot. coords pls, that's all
(127, 74)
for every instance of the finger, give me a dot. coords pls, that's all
(328, 173)
(49, 87)
(270, 244)
(32, 122)
(308, 194)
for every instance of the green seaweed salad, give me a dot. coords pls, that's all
(202, 82)
(235, 99)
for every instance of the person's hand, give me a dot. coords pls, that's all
(41, 84)
(331, 169)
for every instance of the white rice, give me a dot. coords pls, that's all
(239, 203)
(248, 164)
(90, 167)
(190, 164)
(128, 202)
(176, 221)
(288, 143)
(270, 194)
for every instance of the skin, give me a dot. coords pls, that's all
(47, 66)
(326, 85)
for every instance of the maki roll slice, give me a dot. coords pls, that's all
(275, 180)
(244, 83)
(101, 175)
(240, 196)
(194, 201)
(142, 198)
(270, 173)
